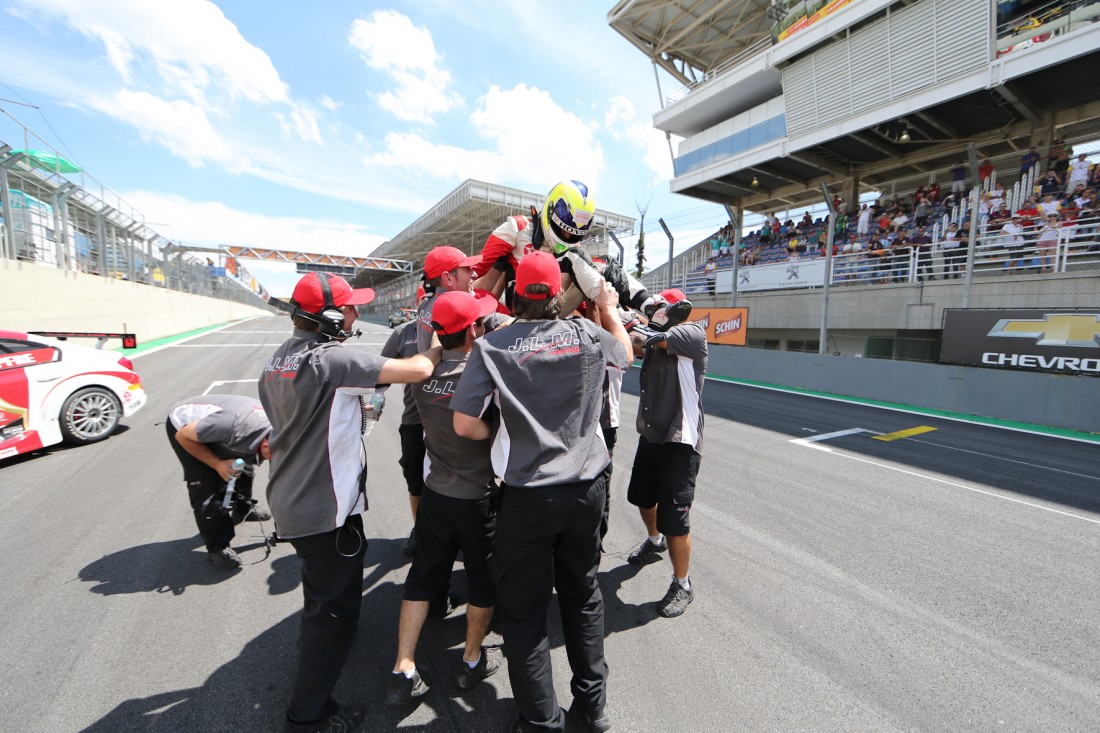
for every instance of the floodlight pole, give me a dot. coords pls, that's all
(670, 242)
(828, 269)
(975, 202)
(617, 244)
(735, 245)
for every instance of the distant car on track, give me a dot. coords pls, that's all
(53, 390)
(401, 316)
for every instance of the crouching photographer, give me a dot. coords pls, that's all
(208, 434)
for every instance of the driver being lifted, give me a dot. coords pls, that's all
(562, 225)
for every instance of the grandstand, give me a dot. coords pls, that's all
(875, 99)
(464, 218)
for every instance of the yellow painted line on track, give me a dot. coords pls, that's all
(904, 433)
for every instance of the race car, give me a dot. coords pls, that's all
(52, 390)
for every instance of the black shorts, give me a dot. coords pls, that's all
(664, 477)
(412, 457)
(444, 526)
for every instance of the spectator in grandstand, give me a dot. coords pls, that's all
(1094, 176)
(772, 220)
(863, 223)
(806, 223)
(1028, 161)
(711, 272)
(997, 194)
(1000, 216)
(958, 178)
(934, 193)
(922, 244)
(1029, 212)
(985, 207)
(1047, 242)
(884, 221)
(766, 233)
(954, 246)
(922, 210)
(900, 220)
(1013, 243)
(877, 254)
(1050, 182)
(985, 171)
(1049, 205)
(1078, 173)
(900, 257)
(1058, 156)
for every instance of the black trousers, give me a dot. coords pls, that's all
(206, 490)
(412, 457)
(549, 538)
(332, 585)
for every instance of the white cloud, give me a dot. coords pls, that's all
(389, 42)
(190, 43)
(302, 123)
(621, 122)
(329, 103)
(178, 125)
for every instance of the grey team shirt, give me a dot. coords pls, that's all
(457, 467)
(670, 407)
(402, 344)
(311, 390)
(233, 426)
(546, 378)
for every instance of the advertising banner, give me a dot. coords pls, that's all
(1056, 340)
(723, 325)
(782, 275)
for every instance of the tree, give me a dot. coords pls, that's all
(641, 237)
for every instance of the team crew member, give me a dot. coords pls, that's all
(445, 269)
(208, 434)
(312, 389)
(402, 343)
(546, 377)
(670, 444)
(456, 511)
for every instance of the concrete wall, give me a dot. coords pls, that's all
(1042, 399)
(37, 298)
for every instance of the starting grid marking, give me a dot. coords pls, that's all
(814, 442)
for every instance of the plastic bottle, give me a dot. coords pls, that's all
(372, 410)
(238, 467)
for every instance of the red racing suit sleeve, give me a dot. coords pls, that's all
(511, 240)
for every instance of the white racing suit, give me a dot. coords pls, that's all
(518, 235)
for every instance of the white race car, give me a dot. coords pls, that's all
(53, 390)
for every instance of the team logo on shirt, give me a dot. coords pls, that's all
(444, 388)
(556, 344)
(284, 367)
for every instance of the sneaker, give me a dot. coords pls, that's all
(443, 608)
(226, 559)
(346, 719)
(401, 690)
(463, 677)
(594, 721)
(676, 600)
(409, 548)
(647, 553)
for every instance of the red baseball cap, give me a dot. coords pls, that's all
(309, 297)
(538, 268)
(483, 293)
(455, 311)
(672, 295)
(444, 259)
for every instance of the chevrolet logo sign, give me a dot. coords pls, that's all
(1062, 329)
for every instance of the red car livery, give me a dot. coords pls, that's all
(53, 390)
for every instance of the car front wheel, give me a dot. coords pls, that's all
(89, 415)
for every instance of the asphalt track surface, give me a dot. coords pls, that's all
(946, 580)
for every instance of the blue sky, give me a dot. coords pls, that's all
(329, 127)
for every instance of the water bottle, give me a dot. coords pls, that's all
(238, 467)
(372, 410)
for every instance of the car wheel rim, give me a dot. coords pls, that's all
(93, 415)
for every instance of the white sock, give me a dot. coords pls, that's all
(685, 583)
(474, 663)
(410, 674)
(657, 539)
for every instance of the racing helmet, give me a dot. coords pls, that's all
(567, 215)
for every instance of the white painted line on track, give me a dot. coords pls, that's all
(155, 349)
(1006, 460)
(826, 436)
(802, 441)
(226, 381)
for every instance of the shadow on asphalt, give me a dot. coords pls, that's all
(157, 567)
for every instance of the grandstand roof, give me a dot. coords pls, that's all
(690, 39)
(465, 217)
